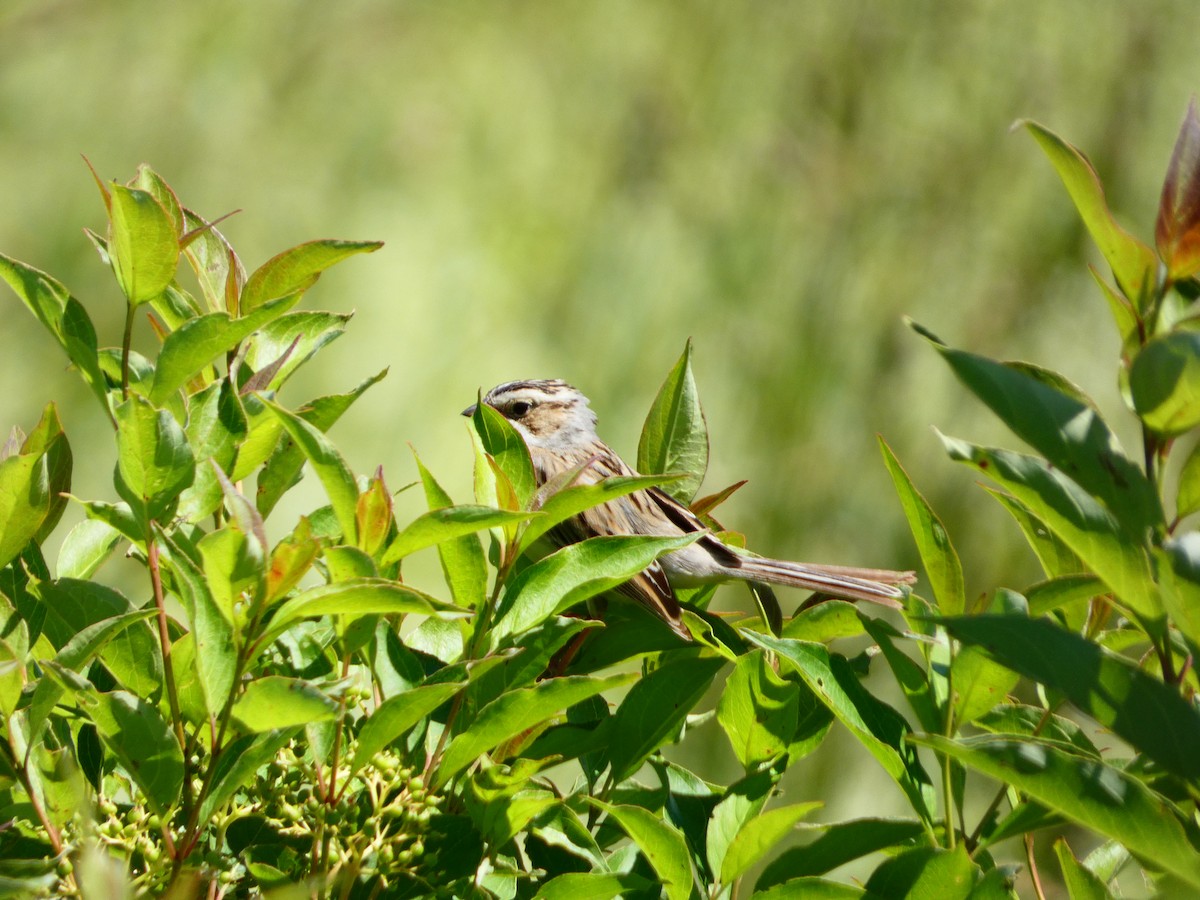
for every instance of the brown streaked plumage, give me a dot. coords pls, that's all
(559, 429)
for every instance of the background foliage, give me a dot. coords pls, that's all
(573, 190)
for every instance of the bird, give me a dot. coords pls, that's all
(558, 426)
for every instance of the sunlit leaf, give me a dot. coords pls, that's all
(1081, 883)
(273, 701)
(516, 711)
(140, 738)
(505, 445)
(1165, 382)
(663, 846)
(397, 715)
(674, 437)
(143, 243)
(1132, 262)
(153, 455)
(296, 270)
(440, 525)
(836, 845)
(759, 837)
(359, 597)
(933, 543)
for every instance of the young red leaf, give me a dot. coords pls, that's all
(1177, 231)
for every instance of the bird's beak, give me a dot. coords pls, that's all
(470, 410)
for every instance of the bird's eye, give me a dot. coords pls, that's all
(520, 408)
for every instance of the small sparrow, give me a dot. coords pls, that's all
(560, 431)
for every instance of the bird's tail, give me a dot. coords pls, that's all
(851, 583)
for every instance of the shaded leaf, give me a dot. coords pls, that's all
(1177, 228)
(836, 845)
(1081, 883)
(1148, 714)
(1165, 382)
(1086, 791)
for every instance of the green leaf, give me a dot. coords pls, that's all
(63, 316)
(1066, 430)
(1074, 516)
(759, 836)
(1081, 883)
(143, 243)
(142, 741)
(810, 889)
(592, 886)
(505, 445)
(925, 872)
(282, 469)
(213, 261)
(570, 501)
(663, 847)
(911, 677)
(95, 637)
(395, 716)
(503, 800)
(574, 574)
(272, 701)
(838, 844)
(240, 760)
(212, 630)
(462, 559)
(31, 482)
(446, 524)
(1165, 382)
(1086, 791)
(153, 456)
(1187, 501)
(873, 723)
(933, 543)
(1132, 262)
(516, 711)
(199, 342)
(216, 428)
(674, 437)
(655, 708)
(1148, 714)
(296, 270)
(743, 801)
(335, 475)
(979, 684)
(73, 606)
(357, 597)
(1056, 558)
(285, 344)
(759, 710)
(85, 548)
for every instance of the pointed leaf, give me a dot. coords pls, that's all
(502, 443)
(574, 574)
(1132, 262)
(663, 846)
(213, 261)
(592, 886)
(759, 837)
(353, 598)
(876, 725)
(283, 345)
(203, 340)
(240, 760)
(336, 477)
(655, 708)
(574, 499)
(1148, 714)
(153, 455)
(1093, 794)
(63, 316)
(142, 741)
(1081, 882)
(933, 543)
(295, 270)
(1072, 514)
(272, 701)
(1177, 229)
(1066, 430)
(395, 716)
(517, 711)
(462, 559)
(440, 525)
(143, 242)
(836, 845)
(674, 437)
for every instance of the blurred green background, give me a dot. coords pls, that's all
(573, 189)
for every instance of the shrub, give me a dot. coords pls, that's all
(286, 710)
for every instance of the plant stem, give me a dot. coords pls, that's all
(947, 764)
(125, 342)
(164, 636)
